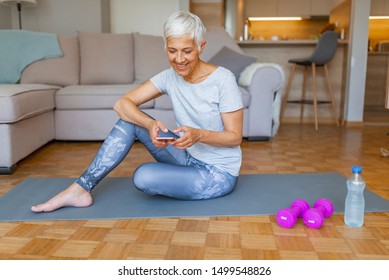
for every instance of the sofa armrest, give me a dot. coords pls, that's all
(264, 83)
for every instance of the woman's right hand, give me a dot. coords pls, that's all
(154, 127)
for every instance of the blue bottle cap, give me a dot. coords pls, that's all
(356, 169)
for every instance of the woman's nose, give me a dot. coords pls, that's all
(179, 58)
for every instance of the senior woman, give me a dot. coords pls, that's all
(203, 159)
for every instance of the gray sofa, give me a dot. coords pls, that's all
(71, 97)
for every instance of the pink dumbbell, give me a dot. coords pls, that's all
(314, 217)
(287, 217)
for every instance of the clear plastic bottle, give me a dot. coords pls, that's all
(354, 212)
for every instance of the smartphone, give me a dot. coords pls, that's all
(165, 138)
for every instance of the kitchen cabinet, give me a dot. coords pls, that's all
(377, 81)
(260, 8)
(287, 8)
(379, 8)
(321, 8)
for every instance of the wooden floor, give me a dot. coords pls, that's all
(296, 149)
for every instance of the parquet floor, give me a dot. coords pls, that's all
(296, 149)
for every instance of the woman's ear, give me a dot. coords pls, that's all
(202, 46)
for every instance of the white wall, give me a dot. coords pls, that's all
(144, 16)
(59, 16)
(66, 17)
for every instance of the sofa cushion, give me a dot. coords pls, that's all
(150, 56)
(60, 71)
(216, 39)
(85, 97)
(163, 103)
(106, 58)
(245, 97)
(19, 101)
(19, 139)
(233, 61)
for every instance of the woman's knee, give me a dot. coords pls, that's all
(143, 177)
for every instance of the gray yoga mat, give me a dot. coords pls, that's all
(116, 198)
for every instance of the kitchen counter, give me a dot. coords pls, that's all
(281, 51)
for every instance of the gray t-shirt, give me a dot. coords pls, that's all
(199, 105)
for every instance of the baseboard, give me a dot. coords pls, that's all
(258, 138)
(4, 170)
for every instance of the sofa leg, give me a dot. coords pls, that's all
(258, 138)
(5, 170)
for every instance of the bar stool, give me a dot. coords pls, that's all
(323, 53)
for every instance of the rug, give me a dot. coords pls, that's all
(116, 198)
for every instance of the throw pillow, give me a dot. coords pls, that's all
(60, 71)
(150, 56)
(106, 58)
(216, 37)
(233, 61)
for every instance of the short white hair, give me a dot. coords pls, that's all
(184, 24)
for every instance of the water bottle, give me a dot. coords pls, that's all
(354, 211)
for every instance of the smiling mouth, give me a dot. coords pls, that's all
(181, 66)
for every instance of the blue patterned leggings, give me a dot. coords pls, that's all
(176, 174)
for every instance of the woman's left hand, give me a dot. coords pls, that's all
(189, 137)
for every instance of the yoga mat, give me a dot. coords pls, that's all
(116, 198)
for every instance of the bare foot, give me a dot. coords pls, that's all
(74, 195)
(384, 152)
